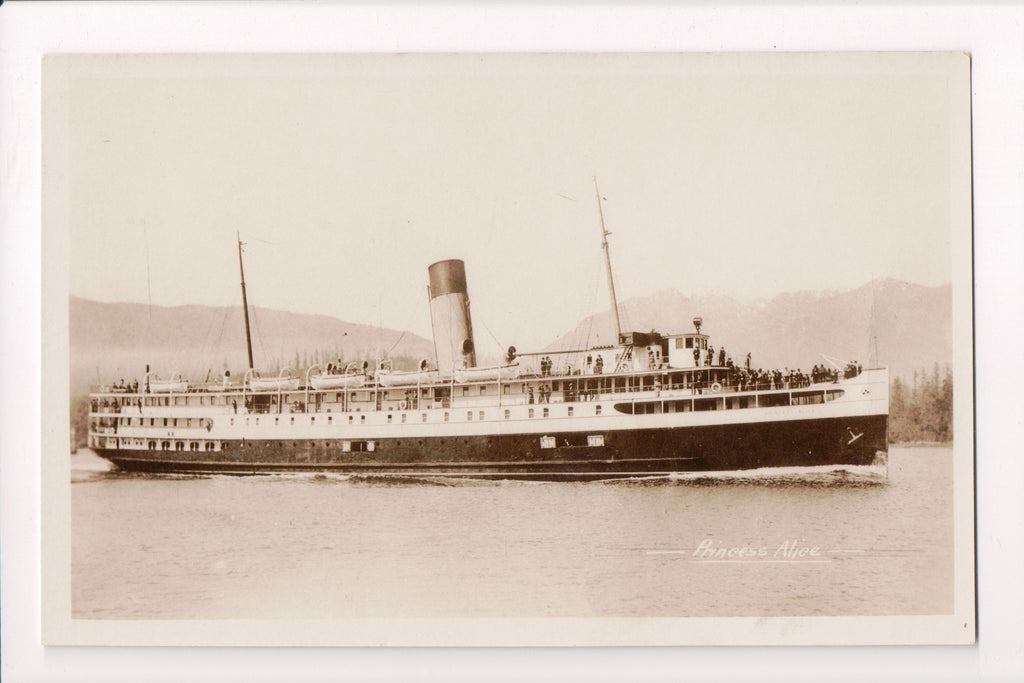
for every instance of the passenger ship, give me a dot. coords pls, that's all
(653, 404)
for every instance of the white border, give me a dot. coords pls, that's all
(990, 34)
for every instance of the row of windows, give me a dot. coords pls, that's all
(200, 422)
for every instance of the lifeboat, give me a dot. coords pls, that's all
(487, 374)
(166, 386)
(280, 383)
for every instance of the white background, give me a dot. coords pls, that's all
(991, 34)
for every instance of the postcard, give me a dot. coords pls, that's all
(507, 349)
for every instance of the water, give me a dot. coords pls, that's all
(332, 546)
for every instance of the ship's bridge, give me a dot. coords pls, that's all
(687, 350)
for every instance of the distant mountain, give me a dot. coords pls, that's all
(110, 341)
(912, 323)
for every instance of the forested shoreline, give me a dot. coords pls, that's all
(922, 410)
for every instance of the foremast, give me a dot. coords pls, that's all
(608, 263)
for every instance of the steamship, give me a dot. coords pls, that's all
(652, 404)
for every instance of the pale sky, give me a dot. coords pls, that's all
(348, 175)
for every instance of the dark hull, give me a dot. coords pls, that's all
(643, 452)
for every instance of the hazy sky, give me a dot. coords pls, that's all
(348, 175)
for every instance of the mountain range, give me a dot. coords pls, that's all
(910, 324)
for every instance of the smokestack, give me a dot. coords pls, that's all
(449, 315)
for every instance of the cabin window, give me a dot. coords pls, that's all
(350, 419)
(179, 445)
(505, 389)
(257, 422)
(346, 446)
(483, 390)
(508, 413)
(546, 412)
(291, 421)
(193, 446)
(166, 422)
(389, 418)
(469, 415)
(706, 404)
(423, 417)
(446, 416)
(403, 418)
(209, 445)
(465, 391)
(165, 445)
(530, 413)
(568, 411)
(547, 442)
(330, 419)
(481, 415)
(595, 440)
(362, 418)
(597, 410)
(151, 445)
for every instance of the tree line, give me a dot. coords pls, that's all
(922, 410)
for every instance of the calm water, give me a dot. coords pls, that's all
(314, 546)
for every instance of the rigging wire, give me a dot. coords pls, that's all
(388, 354)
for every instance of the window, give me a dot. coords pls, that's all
(481, 416)
(291, 421)
(530, 413)
(597, 410)
(568, 411)
(403, 418)
(423, 417)
(483, 390)
(465, 391)
(547, 442)
(362, 418)
(546, 412)
(350, 419)
(277, 420)
(508, 413)
(312, 420)
(595, 440)
(446, 416)
(389, 418)
(469, 415)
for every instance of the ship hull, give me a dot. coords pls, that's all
(857, 440)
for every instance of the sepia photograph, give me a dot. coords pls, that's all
(507, 349)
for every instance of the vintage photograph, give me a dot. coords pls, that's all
(508, 349)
